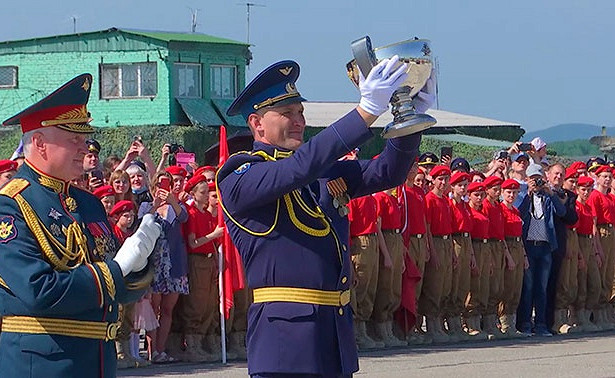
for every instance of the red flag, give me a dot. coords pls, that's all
(232, 274)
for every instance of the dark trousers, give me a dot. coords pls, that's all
(556, 264)
(534, 291)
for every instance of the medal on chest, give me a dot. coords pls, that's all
(338, 190)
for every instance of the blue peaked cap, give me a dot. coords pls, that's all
(274, 86)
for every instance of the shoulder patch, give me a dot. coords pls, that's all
(8, 231)
(14, 187)
(242, 168)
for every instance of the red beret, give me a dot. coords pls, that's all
(7, 165)
(176, 170)
(585, 181)
(122, 207)
(459, 177)
(212, 186)
(578, 165)
(476, 187)
(492, 181)
(602, 168)
(200, 170)
(511, 184)
(440, 170)
(571, 172)
(104, 191)
(190, 184)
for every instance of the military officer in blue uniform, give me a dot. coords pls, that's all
(61, 273)
(285, 207)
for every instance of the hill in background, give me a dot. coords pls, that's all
(567, 132)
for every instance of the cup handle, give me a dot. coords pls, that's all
(364, 54)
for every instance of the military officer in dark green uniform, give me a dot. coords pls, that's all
(62, 275)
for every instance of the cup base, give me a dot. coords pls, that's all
(412, 125)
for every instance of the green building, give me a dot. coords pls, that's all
(140, 77)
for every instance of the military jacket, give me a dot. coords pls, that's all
(56, 247)
(285, 217)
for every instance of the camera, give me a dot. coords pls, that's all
(539, 182)
(174, 148)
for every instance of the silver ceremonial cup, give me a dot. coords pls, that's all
(417, 53)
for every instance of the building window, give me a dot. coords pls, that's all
(187, 80)
(223, 81)
(128, 80)
(8, 77)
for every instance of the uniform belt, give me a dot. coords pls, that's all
(588, 236)
(514, 238)
(441, 236)
(609, 225)
(64, 327)
(484, 241)
(392, 230)
(462, 234)
(301, 295)
(370, 234)
(418, 236)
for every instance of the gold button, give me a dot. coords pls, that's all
(344, 247)
(341, 311)
(344, 279)
(110, 308)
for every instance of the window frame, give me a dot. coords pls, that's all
(235, 80)
(118, 67)
(15, 83)
(176, 66)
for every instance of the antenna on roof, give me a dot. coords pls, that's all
(74, 18)
(194, 24)
(248, 6)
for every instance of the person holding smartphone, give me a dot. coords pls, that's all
(170, 260)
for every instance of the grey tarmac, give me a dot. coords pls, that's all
(589, 355)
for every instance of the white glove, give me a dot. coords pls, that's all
(132, 256)
(384, 79)
(427, 95)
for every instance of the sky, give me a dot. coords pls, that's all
(538, 63)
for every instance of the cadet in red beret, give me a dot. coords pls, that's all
(179, 178)
(208, 171)
(588, 280)
(603, 210)
(438, 272)
(106, 195)
(123, 213)
(462, 244)
(476, 305)
(499, 253)
(198, 308)
(580, 167)
(513, 275)
(8, 168)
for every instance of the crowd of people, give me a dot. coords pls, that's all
(525, 248)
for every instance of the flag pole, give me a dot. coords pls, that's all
(222, 301)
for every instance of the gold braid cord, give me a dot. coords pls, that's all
(2, 283)
(75, 239)
(108, 278)
(303, 227)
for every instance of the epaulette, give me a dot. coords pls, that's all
(14, 187)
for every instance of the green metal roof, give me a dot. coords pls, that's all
(158, 35)
(182, 37)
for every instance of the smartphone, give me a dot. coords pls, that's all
(164, 183)
(96, 173)
(525, 147)
(183, 159)
(446, 151)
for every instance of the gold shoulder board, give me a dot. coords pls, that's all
(14, 187)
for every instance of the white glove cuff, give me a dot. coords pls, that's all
(372, 108)
(124, 262)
